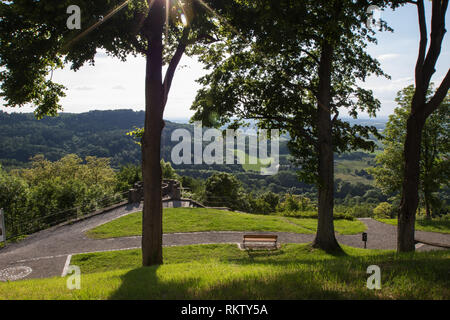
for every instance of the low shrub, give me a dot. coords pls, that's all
(314, 215)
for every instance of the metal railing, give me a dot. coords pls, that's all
(16, 226)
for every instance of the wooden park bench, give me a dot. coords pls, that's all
(260, 241)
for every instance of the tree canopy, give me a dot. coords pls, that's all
(35, 41)
(295, 66)
(434, 162)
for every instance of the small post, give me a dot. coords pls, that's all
(2, 227)
(364, 238)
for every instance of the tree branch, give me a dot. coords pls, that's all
(174, 63)
(439, 95)
(422, 44)
(436, 38)
(208, 37)
(309, 54)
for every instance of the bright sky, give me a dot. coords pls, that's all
(112, 84)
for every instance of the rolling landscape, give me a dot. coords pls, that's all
(224, 159)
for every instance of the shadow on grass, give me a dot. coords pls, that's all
(286, 255)
(279, 275)
(337, 252)
(288, 285)
(252, 254)
(412, 269)
(143, 284)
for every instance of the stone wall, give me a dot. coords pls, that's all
(171, 189)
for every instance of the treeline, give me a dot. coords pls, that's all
(52, 192)
(225, 190)
(287, 182)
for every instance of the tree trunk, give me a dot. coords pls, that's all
(325, 237)
(420, 110)
(151, 141)
(410, 189)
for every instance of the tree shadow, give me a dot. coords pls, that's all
(252, 254)
(287, 285)
(275, 257)
(327, 277)
(143, 284)
(334, 251)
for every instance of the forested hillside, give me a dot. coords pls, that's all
(95, 133)
(104, 134)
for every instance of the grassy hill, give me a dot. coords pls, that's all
(203, 219)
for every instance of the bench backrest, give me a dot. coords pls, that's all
(261, 236)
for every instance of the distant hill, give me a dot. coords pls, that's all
(95, 133)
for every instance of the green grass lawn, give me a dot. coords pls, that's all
(341, 226)
(200, 219)
(296, 271)
(442, 226)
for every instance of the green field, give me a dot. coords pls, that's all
(202, 219)
(345, 170)
(296, 271)
(442, 226)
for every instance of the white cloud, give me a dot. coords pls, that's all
(386, 87)
(84, 88)
(388, 56)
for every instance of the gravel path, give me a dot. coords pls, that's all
(47, 252)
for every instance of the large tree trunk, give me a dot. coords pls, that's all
(151, 142)
(325, 237)
(420, 110)
(410, 189)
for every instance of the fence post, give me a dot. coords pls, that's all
(2, 226)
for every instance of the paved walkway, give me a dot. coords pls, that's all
(47, 252)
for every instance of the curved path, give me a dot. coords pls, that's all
(49, 251)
